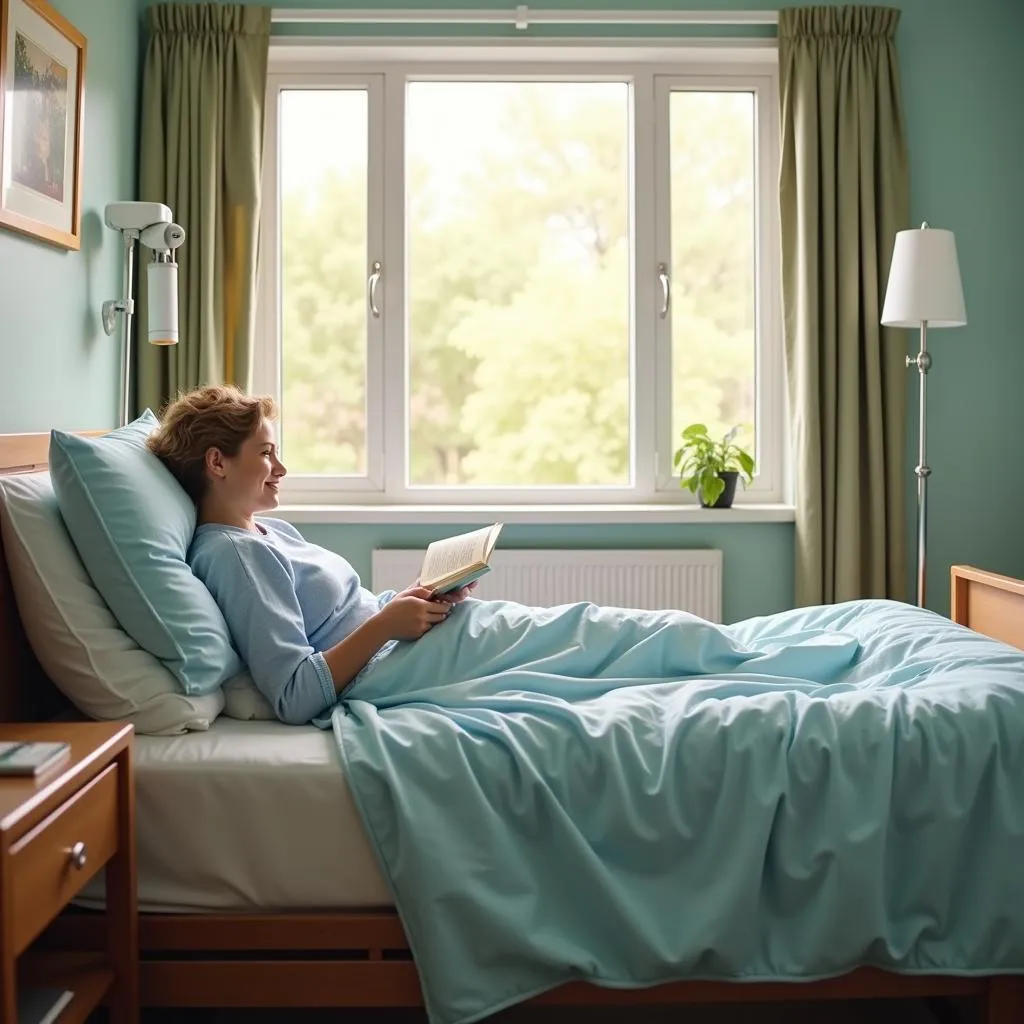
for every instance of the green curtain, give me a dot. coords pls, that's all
(844, 192)
(201, 153)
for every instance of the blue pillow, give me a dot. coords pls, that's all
(132, 523)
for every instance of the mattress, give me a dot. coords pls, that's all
(248, 816)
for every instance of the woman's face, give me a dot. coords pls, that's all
(253, 476)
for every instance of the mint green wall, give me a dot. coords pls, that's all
(59, 368)
(962, 83)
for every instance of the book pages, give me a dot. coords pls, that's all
(455, 553)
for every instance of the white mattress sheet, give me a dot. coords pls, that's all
(248, 816)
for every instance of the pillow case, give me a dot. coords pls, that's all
(132, 523)
(78, 642)
(242, 700)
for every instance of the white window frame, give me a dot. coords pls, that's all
(769, 372)
(267, 362)
(652, 72)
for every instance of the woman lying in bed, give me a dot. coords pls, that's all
(297, 612)
(308, 630)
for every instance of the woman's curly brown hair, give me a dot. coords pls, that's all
(218, 416)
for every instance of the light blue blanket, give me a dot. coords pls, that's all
(637, 797)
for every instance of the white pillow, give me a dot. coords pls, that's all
(243, 700)
(76, 638)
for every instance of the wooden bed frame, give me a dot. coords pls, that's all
(362, 959)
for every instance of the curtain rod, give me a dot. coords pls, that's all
(522, 17)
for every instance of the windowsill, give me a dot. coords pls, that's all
(538, 515)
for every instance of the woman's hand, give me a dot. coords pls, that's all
(451, 597)
(459, 594)
(409, 614)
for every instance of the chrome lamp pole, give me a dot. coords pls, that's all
(923, 362)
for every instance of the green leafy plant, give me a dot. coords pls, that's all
(701, 459)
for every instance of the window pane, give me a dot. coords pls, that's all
(518, 234)
(713, 262)
(323, 162)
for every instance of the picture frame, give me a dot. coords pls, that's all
(42, 98)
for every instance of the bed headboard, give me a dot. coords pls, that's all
(988, 603)
(26, 694)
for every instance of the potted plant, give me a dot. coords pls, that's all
(710, 468)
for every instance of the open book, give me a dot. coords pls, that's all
(456, 561)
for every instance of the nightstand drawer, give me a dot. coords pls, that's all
(52, 863)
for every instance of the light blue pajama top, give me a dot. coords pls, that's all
(285, 601)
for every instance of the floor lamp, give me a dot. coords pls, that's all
(149, 224)
(924, 290)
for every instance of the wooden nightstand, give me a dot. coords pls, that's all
(56, 832)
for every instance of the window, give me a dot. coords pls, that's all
(517, 282)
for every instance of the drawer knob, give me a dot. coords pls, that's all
(78, 857)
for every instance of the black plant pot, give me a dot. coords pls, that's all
(726, 497)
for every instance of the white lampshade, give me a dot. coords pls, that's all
(924, 281)
(163, 303)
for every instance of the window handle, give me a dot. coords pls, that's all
(371, 287)
(666, 290)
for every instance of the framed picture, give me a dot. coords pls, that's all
(42, 88)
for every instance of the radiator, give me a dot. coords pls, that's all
(688, 580)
